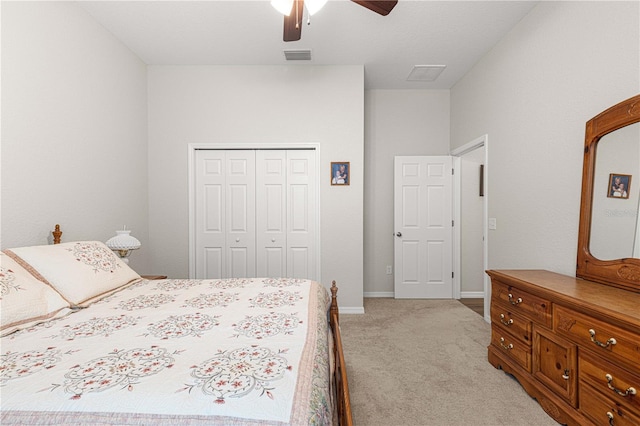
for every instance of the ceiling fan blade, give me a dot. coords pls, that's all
(293, 22)
(382, 7)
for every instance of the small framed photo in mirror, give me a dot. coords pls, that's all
(340, 173)
(619, 186)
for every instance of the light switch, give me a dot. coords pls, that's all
(492, 223)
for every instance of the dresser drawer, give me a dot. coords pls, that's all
(525, 304)
(603, 410)
(517, 350)
(611, 380)
(512, 322)
(608, 341)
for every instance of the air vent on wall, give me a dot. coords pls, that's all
(425, 72)
(297, 55)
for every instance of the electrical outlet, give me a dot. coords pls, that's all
(492, 223)
(389, 270)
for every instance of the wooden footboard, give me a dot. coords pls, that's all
(340, 374)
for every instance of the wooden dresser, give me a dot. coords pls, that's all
(573, 344)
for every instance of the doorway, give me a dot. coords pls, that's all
(471, 214)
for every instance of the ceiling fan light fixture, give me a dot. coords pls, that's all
(425, 72)
(283, 6)
(314, 5)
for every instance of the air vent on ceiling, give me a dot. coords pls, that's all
(425, 72)
(297, 55)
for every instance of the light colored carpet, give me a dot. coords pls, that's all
(424, 362)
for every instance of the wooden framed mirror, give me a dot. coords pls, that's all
(609, 232)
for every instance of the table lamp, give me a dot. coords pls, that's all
(123, 243)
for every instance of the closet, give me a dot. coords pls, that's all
(255, 213)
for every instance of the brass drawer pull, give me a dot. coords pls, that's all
(566, 374)
(611, 341)
(610, 415)
(507, 323)
(516, 302)
(505, 347)
(629, 391)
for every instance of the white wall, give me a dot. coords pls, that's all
(259, 104)
(73, 129)
(532, 94)
(397, 122)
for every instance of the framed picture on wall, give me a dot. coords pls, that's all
(340, 173)
(619, 186)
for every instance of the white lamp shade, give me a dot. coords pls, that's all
(314, 5)
(123, 241)
(283, 6)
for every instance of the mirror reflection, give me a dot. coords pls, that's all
(615, 231)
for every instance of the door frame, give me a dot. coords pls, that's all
(482, 141)
(191, 158)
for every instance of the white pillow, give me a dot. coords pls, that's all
(80, 271)
(24, 300)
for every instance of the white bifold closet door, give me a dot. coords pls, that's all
(255, 213)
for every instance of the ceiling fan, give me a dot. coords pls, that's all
(293, 21)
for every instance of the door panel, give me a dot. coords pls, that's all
(411, 256)
(274, 260)
(213, 208)
(411, 206)
(213, 262)
(271, 204)
(299, 261)
(423, 215)
(435, 261)
(301, 214)
(241, 214)
(210, 238)
(240, 264)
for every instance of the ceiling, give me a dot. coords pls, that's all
(249, 32)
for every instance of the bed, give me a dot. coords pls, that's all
(86, 340)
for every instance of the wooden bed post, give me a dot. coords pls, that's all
(343, 399)
(334, 301)
(57, 233)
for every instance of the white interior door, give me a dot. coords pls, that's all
(423, 221)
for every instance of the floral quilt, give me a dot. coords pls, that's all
(232, 352)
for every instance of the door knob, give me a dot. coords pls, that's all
(399, 234)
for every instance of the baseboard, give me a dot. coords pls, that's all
(391, 294)
(374, 294)
(351, 310)
(472, 295)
